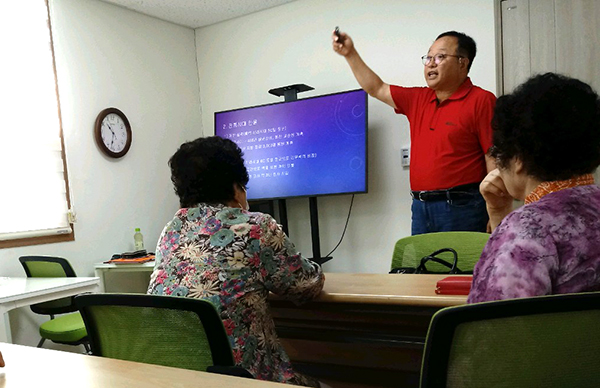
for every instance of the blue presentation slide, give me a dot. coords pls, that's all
(309, 147)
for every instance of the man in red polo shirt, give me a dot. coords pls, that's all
(450, 132)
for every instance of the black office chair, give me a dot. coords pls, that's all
(548, 341)
(66, 329)
(179, 332)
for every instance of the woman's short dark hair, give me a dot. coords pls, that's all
(552, 124)
(466, 45)
(205, 170)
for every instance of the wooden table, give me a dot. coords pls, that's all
(365, 330)
(19, 292)
(37, 367)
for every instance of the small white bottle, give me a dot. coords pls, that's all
(138, 240)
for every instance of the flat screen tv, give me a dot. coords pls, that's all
(309, 147)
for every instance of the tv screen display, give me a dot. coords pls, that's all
(308, 147)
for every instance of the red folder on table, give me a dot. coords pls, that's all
(137, 257)
(454, 285)
(137, 260)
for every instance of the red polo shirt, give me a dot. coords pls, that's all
(448, 140)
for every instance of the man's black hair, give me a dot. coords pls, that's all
(466, 45)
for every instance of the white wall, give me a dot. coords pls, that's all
(112, 57)
(241, 59)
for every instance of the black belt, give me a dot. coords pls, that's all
(457, 192)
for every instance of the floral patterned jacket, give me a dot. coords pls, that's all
(233, 258)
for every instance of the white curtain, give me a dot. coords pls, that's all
(33, 195)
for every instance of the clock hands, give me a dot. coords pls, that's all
(112, 140)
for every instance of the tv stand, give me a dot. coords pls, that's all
(314, 228)
(290, 93)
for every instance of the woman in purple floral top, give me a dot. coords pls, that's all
(214, 249)
(546, 145)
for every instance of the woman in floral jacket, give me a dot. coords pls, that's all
(546, 145)
(214, 249)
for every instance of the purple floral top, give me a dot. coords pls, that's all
(546, 247)
(233, 258)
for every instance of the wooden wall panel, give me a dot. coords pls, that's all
(578, 40)
(542, 36)
(515, 43)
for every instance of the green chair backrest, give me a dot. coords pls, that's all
(46, 267)
(49, 267)
(409, 251)
(162, 330)
(550, 342)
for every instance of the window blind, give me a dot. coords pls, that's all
(33, 188)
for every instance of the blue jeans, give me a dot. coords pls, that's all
(465, 214)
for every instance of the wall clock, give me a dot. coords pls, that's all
(113, 132)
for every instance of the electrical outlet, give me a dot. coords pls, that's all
(405, 156)
(72, 216)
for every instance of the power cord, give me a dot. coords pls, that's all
(345, 227)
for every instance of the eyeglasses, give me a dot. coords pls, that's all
(437, 58)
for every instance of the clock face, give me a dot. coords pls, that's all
(113, 132)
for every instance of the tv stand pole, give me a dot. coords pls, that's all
(289, 93)
(314, 227)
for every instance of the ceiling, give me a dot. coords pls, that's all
(197, 13)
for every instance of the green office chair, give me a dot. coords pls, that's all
(164, 330)
(65, 329)
(548, 341)
(409, 251)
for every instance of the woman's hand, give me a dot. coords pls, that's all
(1, 361)
(498, 201)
